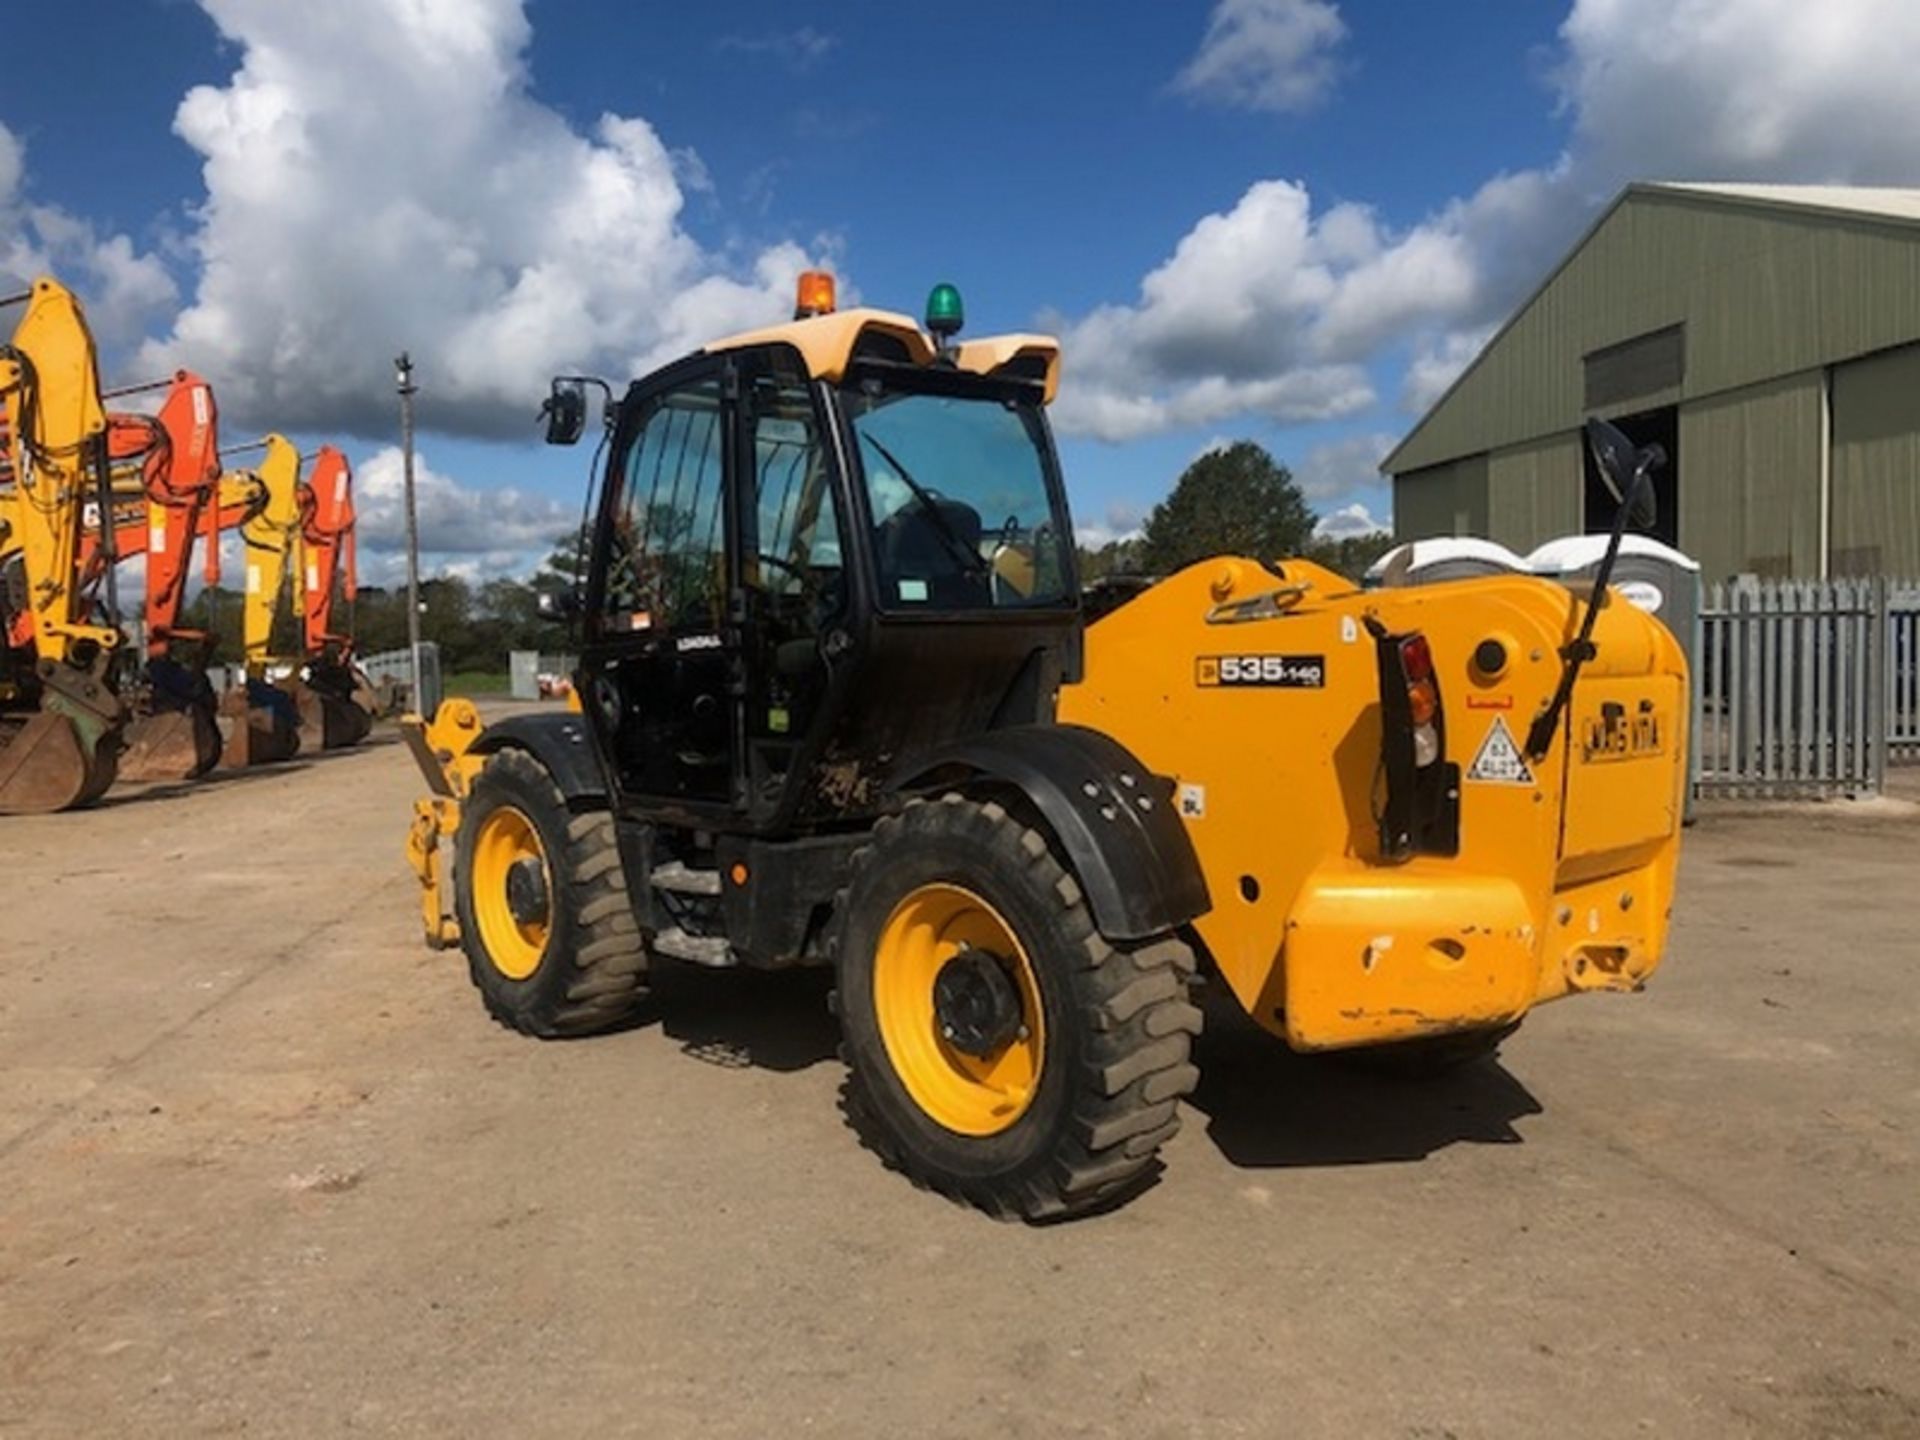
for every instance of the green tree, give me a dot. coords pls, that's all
(1116, 557)
(1233, 501)
(1350, 555)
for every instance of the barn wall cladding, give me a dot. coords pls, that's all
(1768, 336)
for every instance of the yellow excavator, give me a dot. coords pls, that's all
(839, 705)
(61, 717)
(263, 720)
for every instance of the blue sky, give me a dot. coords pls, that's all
(1290, 220)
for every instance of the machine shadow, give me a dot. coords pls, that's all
(1267, 1107)
(138, 792)
(129, 792)
(738, 1019)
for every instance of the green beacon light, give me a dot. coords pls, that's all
(945, 313)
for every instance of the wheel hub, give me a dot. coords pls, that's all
(976, 1004)
(527, 891)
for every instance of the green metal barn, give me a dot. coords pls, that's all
(1767, 335)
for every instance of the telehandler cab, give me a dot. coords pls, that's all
(837, 705)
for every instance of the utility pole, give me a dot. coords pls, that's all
(403, 382)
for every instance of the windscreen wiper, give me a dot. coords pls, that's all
(966, 554)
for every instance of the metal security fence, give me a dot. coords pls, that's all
(393, 667)
(1903, 671)
(1795, 686)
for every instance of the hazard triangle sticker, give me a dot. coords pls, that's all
(1499, 761)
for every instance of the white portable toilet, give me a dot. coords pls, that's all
(1452, 557)
(1650, 575)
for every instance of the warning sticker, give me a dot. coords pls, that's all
(1499, 761)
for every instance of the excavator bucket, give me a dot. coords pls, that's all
(336, 703)
(66, 753)
(376, 697)
(328, 720)
(174, 735)
(43, 766)
(262, 726)
(171, 745)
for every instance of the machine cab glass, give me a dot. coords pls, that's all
(956, 485)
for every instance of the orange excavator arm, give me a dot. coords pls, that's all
(182, 499)
(326, 529)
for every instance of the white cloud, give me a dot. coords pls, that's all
(381, 177)
(1120, 522)
(1266, 55)
(1349, 522)
(1264, 310)
(123, 289)
(1758, 89)
(1273, 308)
(454, 518)
(799, 49)
(1335, 470)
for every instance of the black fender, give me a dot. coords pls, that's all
(561, 742)
(1115, 819)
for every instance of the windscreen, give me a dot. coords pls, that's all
(963, 518)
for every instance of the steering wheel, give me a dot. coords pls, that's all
(797, 571)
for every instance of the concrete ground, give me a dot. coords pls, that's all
(266, 1168)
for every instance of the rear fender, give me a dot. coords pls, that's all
(1114, 818)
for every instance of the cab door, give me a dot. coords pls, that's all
(661, 657)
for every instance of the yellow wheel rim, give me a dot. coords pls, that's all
(968, 1094)
(514, 945)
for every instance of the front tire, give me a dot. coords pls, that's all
(1000, 1050)
(545, 919)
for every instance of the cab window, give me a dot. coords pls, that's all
(795, 543)
(666, 562)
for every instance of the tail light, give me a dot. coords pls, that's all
(1420, 809)
(1423, 699)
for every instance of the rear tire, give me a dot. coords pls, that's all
(1102, 1054)
(580, 968)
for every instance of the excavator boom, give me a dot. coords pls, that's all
(337, 702)
(61, 719)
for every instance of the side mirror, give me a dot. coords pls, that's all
(1627, 472)
(558, 604)
(565, 412)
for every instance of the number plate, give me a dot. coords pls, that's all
(1617, 734)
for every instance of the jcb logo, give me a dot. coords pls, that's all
(1613, 734)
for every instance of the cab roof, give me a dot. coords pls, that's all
(827, 343)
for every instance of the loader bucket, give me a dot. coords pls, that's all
(45, 766)
(262, 726)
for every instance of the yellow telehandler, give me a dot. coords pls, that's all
(838, 705)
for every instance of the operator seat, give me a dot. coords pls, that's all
(913, 548)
